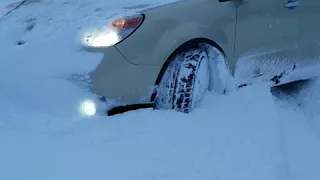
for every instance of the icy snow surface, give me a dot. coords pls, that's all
(250, 134)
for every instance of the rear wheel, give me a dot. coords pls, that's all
(185, 81)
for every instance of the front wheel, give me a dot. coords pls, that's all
(185, 81)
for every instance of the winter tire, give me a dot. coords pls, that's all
(185, 81)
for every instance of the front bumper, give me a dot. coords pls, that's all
(117, 79)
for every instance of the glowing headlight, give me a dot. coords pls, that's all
(88, 108)
(102, 39)
(115, 32)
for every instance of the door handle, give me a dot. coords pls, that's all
(291, 4)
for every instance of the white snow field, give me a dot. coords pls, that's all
(251, 134)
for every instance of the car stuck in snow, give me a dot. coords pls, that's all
(169, 56)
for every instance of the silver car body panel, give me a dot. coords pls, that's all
(263, 41)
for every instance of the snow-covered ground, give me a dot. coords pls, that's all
(251, 134)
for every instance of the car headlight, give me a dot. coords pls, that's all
(116, 31)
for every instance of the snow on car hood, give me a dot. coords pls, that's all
(4, 3)
(7, 9)
(40, 44)
(148, 6)
(49, 33)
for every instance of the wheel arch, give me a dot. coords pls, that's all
(190, 44)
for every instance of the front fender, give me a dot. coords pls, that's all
(167, 28)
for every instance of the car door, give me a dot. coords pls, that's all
(310, 30)
(266, 37)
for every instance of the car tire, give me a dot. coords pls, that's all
(185, 81)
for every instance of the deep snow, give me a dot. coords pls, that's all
(251, 134)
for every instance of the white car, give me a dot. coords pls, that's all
(167, 57)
